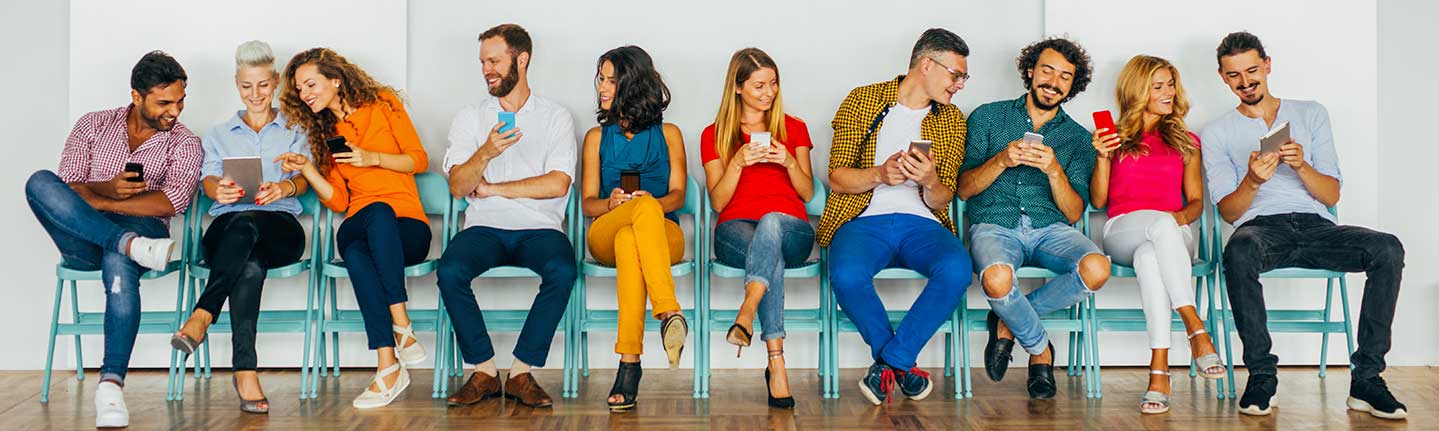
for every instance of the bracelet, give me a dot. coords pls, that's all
(293, 188)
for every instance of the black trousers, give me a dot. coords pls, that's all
(1310, 241)
(239, 247)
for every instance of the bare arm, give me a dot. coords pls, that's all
(1193, 191)
(591, 204)
(977, 180)
(675, 198)
(553, 184)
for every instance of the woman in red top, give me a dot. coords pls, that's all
(1148, 174)
(756, 162)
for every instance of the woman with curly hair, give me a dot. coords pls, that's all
(1148, 175)
(385, 227)
(634, 228)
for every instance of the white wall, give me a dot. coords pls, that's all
(823, 48)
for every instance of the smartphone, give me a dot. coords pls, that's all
(921, 145)
(509, 119)
(1271, 141)
(630, 181)
(1033, 138)
(1105, 120)
(139, 171)
(337, 145)
(760, 139)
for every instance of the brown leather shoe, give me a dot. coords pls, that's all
(527, 391)
(479, 387)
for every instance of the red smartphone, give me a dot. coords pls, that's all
(1103, 120)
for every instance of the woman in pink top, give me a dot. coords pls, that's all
(1148, 175)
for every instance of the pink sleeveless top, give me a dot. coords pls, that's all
(1153, 181)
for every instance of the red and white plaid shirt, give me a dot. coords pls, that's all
(99, 147)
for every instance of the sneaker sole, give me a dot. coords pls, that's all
(1364, 406)
(873, 399)
(1256, 411)
(922, 394)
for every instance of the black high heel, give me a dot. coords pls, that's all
(738, 336)
(627, 386)
(781, 403)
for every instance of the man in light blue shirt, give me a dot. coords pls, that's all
(1279, 202)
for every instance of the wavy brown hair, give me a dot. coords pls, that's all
(1132, 93)
(727, 130)
(357, 89)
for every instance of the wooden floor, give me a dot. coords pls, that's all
(1306, 402)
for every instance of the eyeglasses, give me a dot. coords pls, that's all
(957, 76)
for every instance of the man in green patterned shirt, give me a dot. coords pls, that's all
(1022, 198)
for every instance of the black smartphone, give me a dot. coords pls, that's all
(139, 171)
(630, 181)
(337, 145)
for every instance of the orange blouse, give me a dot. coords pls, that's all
(381, 127)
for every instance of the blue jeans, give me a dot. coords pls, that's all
(475, 250)
(1057, 247)
(377, 245)
(764, 249)
(89, 240)
(864, 246)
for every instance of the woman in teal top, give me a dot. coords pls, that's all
(630, 231)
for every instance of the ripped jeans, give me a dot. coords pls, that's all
(1057, 247)
(91, 240)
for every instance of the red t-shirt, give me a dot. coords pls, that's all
(763, 187)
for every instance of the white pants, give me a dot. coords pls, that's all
(1158, 249)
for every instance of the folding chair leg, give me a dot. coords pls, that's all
(75, 314)
(1324, 332)
(1227, 320)
(1348, 322)
(50, 349)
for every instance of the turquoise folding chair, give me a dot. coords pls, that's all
(800, 320)
(839, 323)
(1204, 270)
(501, 320)
(270, 321)
(435, 198)
(1296, 321)
(93, 322)
(1078, 321)
(586, 320)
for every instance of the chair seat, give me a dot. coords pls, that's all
(595, 269)
(1301, 273)
(337, 269)
(898, 274)
(68, 274)
(202, 270)
(1199, 269)
(808, 270)
(508, 272)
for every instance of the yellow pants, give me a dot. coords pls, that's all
(641, 244)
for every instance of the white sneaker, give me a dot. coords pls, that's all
(110, 411)
(411, 356)
(153, 253)
(370, 399)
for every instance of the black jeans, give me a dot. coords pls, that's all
(1310, 241)
(239, 247)
(475, 250)
(377, 245)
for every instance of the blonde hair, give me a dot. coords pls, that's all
(1132, 95)
(254, 54)
(727, 128)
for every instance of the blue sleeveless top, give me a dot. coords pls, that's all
(647, 152)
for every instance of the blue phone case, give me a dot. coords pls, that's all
(509, 119)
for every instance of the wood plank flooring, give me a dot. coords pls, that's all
(1306, 402)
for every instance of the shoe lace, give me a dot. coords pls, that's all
(886, 382)
(918, 372)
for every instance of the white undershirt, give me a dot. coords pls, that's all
(901, 125)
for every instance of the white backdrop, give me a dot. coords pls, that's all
(81, 52)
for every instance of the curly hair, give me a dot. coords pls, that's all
(1072, 52)
(357, 89)
(640, 94)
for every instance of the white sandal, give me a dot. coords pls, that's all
(411, 356)
(371, 399)
(1152, 398)
(1208, 362)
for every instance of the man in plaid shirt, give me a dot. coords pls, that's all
(103, 215)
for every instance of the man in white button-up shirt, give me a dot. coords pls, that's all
(516, 179)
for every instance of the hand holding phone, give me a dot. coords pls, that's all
(508, 118)
(921, 145)
(337, 145)
(630, 181)
(139, 171)
(760, 139)
(1105, 120)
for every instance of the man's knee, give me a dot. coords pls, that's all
(559, 271)
(38, 180)
(1387, 249)
(1242, 253)
(451, 273)
(997, 280)
(1094, 270)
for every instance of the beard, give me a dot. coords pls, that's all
(1258, 97)
(1038, 102)
(155, 122)
(508, 81)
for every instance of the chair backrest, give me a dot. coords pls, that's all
(815, 206)
(694, 198)
(434, 193)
